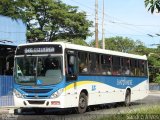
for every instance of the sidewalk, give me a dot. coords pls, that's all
(7, 110)
(154, 92)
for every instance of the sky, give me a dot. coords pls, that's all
(11, 30)
(127, 18)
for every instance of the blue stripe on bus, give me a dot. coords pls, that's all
(119, 82)
(115, 81)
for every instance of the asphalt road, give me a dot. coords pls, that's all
(93, 112)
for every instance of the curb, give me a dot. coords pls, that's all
(4, 111)
(154, 91)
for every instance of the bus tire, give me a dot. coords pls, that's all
(127, 98)
(18, 111)
(83, 103)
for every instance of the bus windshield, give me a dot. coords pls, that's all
(38, 70)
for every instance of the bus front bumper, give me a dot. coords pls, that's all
(38, 103)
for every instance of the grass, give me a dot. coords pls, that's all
(145, 113)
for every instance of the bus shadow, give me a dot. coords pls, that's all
(71, 111)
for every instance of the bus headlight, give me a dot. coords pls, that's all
(17, 94)
(57, 93)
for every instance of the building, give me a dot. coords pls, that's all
(12, 33)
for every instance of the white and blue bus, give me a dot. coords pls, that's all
(63, 75)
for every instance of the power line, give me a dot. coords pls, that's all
(122, 22)
(130, 24)
(11, 32)
(125, 34)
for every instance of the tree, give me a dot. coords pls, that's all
(119, 43)
(154, 67)
(80, 42)
(157, 79)
(154, 58)
(48, 20)
(142, 50)
(153, 5)
(154, 64)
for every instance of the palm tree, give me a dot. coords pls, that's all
(153, 5)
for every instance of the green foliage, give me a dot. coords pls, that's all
(121, 44)
(143, 113)
(80, 42)
(157, 79)
(48, 20)
(154, 59)
(152, 5)
(154, 64)
(142, 49)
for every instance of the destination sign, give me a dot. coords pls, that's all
(39, 49)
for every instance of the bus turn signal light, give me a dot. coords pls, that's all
(55, 102)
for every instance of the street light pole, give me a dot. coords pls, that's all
(96, 23)
(103, 39)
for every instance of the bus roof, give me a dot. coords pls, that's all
(90, 49)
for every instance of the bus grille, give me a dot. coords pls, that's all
(36, 102)
(35, 97)
(36, 90)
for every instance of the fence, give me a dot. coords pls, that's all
(154, 86)
(6, 88)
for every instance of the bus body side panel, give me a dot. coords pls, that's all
(140, 91)
(105, 89)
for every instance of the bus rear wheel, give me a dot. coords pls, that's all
(83, 103)
(127, 98)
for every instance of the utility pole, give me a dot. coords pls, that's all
(103, 39)
(96, 23)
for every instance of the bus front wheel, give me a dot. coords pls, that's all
(83, 103)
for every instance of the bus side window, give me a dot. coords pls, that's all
(138, 68)
(94, 63)
(71, 63)
(106, 61)
(125, 63)
(82, 62)
(116, 66)
(133, 67)
(143, 68)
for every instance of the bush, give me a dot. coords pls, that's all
(157, 79)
